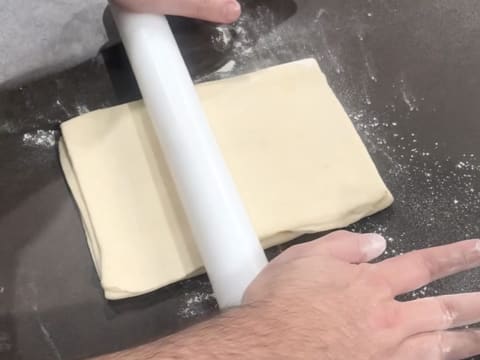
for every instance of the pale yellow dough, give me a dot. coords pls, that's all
(298, 163)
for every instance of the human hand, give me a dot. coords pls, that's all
(321, 300)
(222, 11)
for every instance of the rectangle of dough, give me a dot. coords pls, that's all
(298, 163)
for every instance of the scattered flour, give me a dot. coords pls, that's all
(197, 304)
(255, 41)
(434, 194)
(227, 68)
(426, 291)
(407, 96)
(82, 109)
(368, 59)
(222, 39)
(5, 342)
(41, 138)
(60, 105)
(7, 128)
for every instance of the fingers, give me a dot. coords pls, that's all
(419, 268)
(440, 313)
(444, 345)
(223, 11)
(343, 245)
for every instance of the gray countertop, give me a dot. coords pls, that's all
(39, 37)
(407, 74)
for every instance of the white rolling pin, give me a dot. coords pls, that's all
(225, 238)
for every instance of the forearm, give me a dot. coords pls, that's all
(229, 334)
(244, 332)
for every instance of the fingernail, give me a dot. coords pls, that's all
(374, 245)
(231, 11)
(477, 245)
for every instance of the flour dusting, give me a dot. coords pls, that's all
(222, 38)
(424, 177)
(407, 96)
(5, 342)
(368, 59)
(7, 128)
(58, 103)
(82, 109)
(228, 67)
(40, 138)
(197, 304)
(259, 40)
(437, 194)
(243, 34)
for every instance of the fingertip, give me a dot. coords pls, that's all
(373, 245)
(477, 244)
(219, 11)
(231, 11)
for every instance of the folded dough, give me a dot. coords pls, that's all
(298, 163)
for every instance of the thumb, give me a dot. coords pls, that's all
(342, 245)
(223, 11)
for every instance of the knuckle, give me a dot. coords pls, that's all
(447, 312)
(443, 346)
(464, 260)
(389, 317)
(426, 266)
(373, 277)
(439, 344)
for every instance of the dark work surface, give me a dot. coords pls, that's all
(408, 75)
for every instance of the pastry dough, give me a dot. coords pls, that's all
(298, 163)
